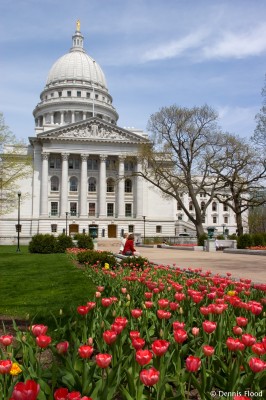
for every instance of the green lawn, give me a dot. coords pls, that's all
(35, 285)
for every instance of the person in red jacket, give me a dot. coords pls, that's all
(129, 249)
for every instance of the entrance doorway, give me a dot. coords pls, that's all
(73, 229)
(112, 231)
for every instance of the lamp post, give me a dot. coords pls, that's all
(19, 197)
(66, 221)
(223, 225)
(144, 220)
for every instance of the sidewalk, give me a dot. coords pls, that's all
(239, 265)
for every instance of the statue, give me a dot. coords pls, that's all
(78, 25)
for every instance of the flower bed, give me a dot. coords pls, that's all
(155, 333)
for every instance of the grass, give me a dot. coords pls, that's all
(39, 285)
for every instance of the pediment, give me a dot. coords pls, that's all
(93, 129)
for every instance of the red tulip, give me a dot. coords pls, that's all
(61, 394)
(106, 302)
(264, 342)
(149, 377)
(62, 347)
(26, 391)
(148, 295)
(180, 335)
(208, 350)
(43, 341)
(103, 360)
(179, 296)
(83, 310)
(174, 306)
(248, 339)
(163, 303)
(241, 321)
(85, 351)
(258, 348)
(209, 326)
(134, 334)
(138, 343)
(143, 357)
(6, 340)
(74, 396)
(5, 366)
(91, 304)
(148, 304)
(136, 313)
(38, 330)
(193, 363)
(241, 398)
(109, 336)
(195, 331)
(178, 325)
(237, 330)
(100, 288)
(257, 365)
(122, 321)
(163, 314)
(234, 344)
(160, 347)
(117, 328)
(256, 309)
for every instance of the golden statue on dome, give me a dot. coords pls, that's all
(78, 25)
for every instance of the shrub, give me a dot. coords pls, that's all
(43, 244)
(63, 242)
(244, 241)
(258, 239)
(134, 262)
(92, 257)
(84, 241)
(201, 239)
(220, 237)
(233, 236)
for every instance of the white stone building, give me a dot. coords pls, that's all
(82, 165)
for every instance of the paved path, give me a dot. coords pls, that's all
(240, 265)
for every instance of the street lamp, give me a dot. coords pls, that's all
(66, 221)
(144, 220)
(18, 226)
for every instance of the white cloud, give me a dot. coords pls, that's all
(238, 120)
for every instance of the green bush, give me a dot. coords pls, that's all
(134, 262)
(233, 236)
(259, 239)
(43, 244)
(220, 237)
(201, 239)
(244, 241)
(92, 257)
(84, 241)
(63, 242)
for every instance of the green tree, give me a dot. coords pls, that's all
(15, 165)
(178, 160)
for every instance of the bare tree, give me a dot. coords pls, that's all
(14, 166)
(241, 171)
(178, 159)
(259, 137)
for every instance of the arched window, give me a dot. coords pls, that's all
(54, 184)
(73, 184)
(92, 185)
(128, 186)
(202, 205)
(190, 206)
(214, 206)
(110, 188)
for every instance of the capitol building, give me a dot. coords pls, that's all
(83, 178)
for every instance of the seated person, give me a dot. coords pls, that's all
(129, 249)
(122, 243)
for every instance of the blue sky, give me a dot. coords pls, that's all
(154, 53)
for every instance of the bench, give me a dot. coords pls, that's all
(225, 244)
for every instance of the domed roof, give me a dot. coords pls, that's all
(76, 65)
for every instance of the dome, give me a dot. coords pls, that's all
(76, 65)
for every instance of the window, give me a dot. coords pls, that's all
(158, 229)
(92, 209)
(131, 228)
(54, 184)
(73, 163)
(96, 96)
(54, 208)
(129, 166)
(78, 93)
(111, 164)
(202, 205)
(214, 220)
(52, 95)
(180, 217)
(88, 95)
(128, 186)
(128, 210)
(92, 185)
(73, 209)
(226, 220)
(202, 194)
(59, 94)
(92, 164)
(110, 209)
(55, 162)
(73, 184)
(54, 228)
(191, 206)
(225, 207)
(110, 185)
(203, 219)
(214, 206)
(179, 207)
(69, 93)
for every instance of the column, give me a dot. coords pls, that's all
(72, 116)
(83, 186)
(61, 117)
(102, 186)
(139, 190)
(121, 188)
(52, 118)
(64, 185)
(84, 115)
(44, 186)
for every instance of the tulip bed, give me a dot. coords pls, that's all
(150, 333)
